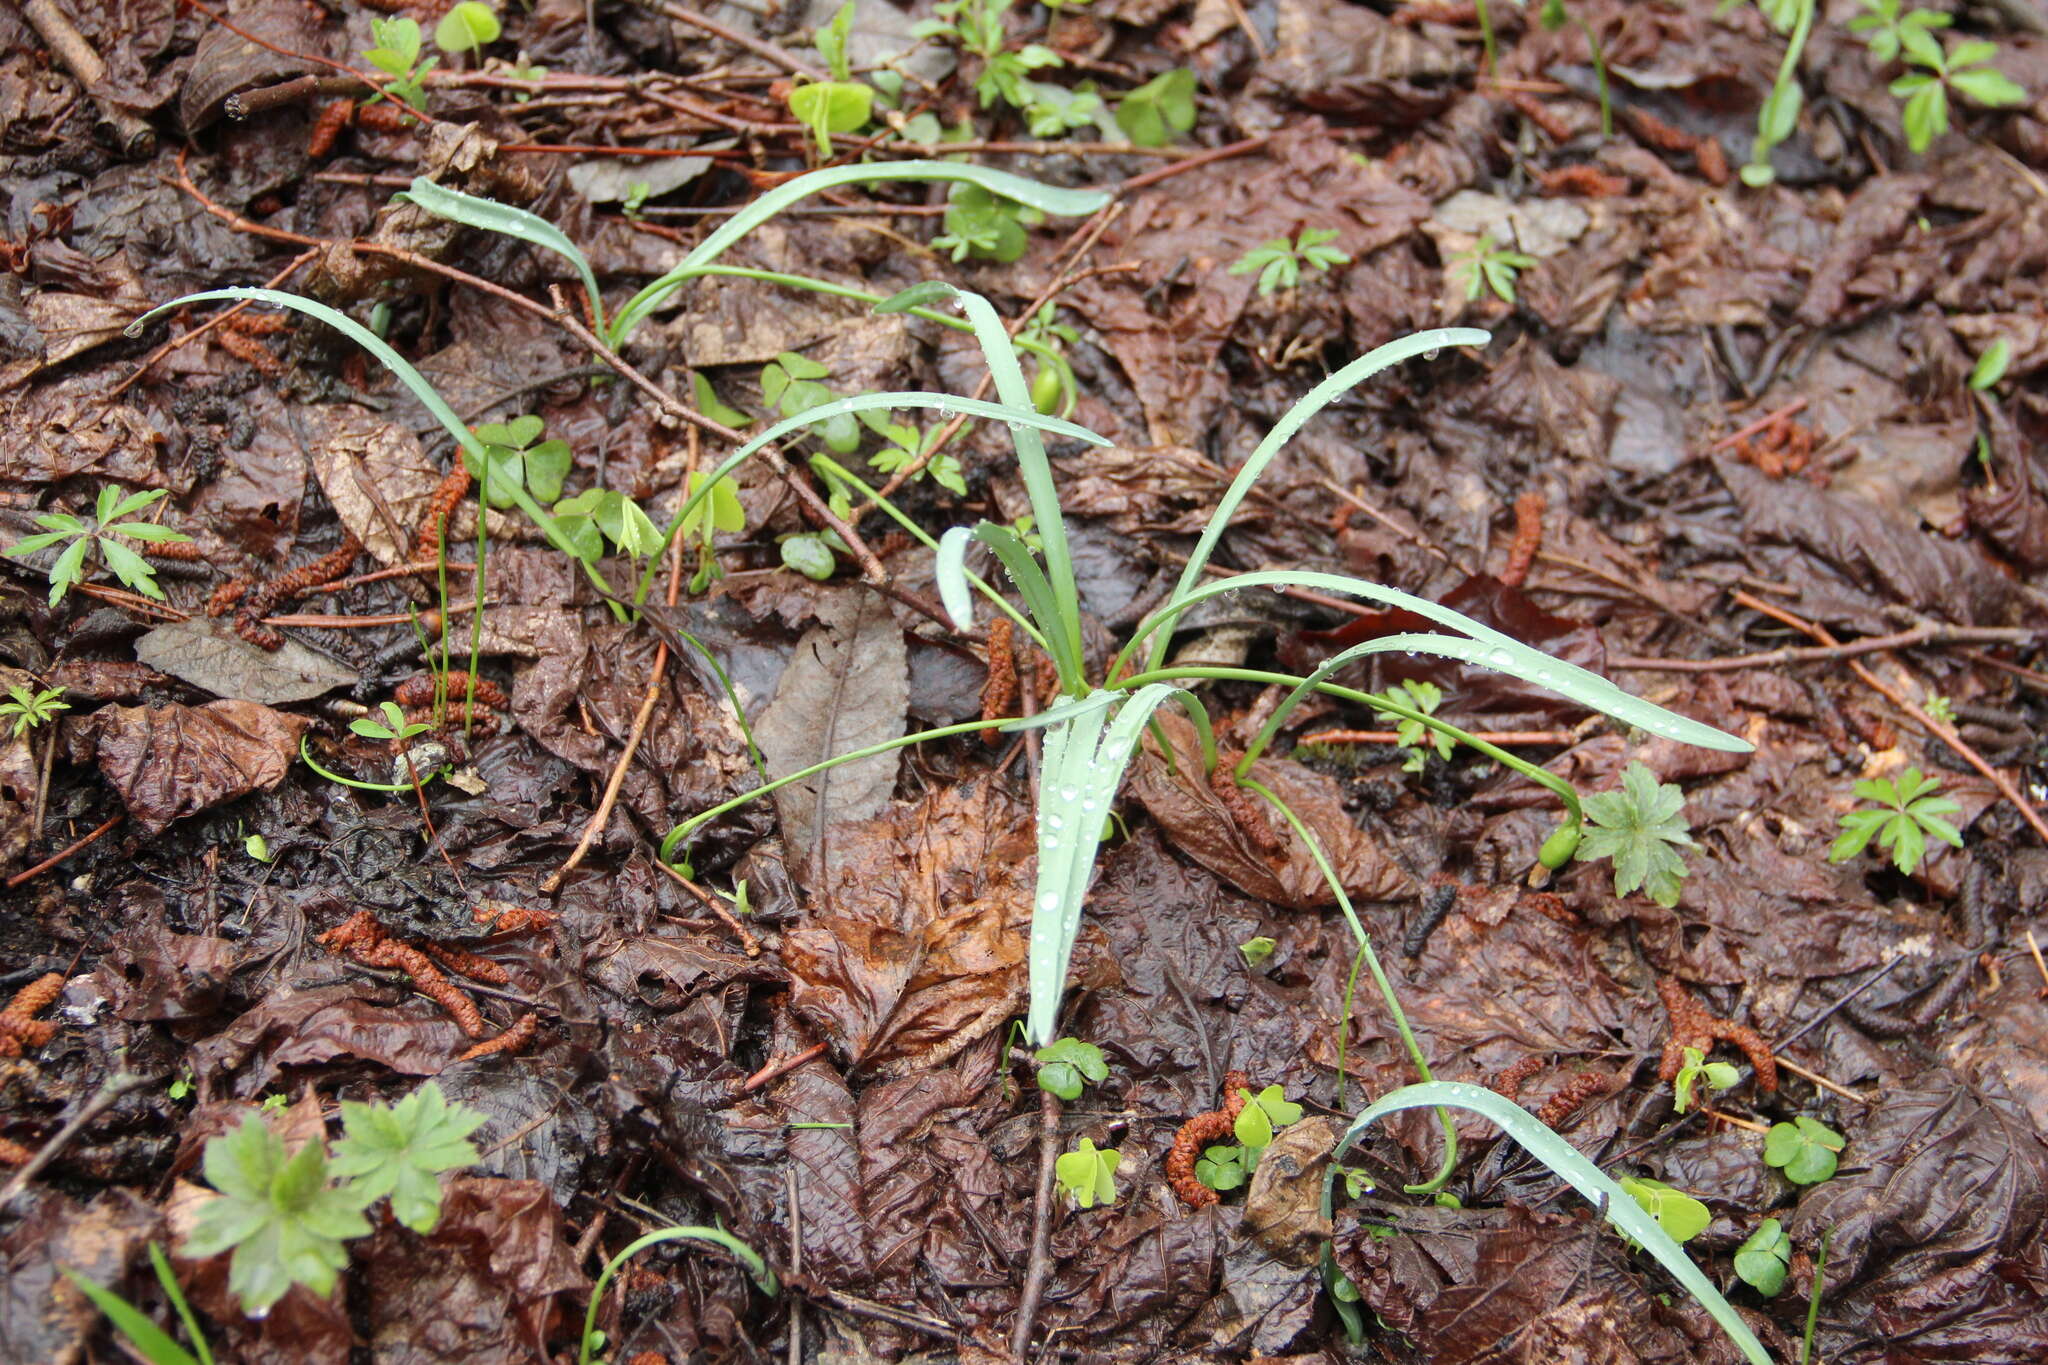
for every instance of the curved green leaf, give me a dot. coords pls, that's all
(490, 215)
(1568, 1165)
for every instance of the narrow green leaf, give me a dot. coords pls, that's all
(504, 219)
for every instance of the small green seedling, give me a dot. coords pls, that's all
(1263, 1115)
(1222, 1168)
(1054, 111)
(1991, 366)
(906, 447)
(1884, 28)
(977, 27)
(1052, 386)
(1715, 1075)
(1961, 69)
(150, 1341)
(1641, 828)
(811, 553)
(1154, 112)
(842, 104)
(984, 226)
(1067, 1064)
(789, 384)
(470, 26)
(104, 534)
(1909, 813)
(1410, 734)
(719, 512)
(1257, 952)
(1804, 1149)
(516, 462)
(180, 1087)
(397, 55)
(1088, 1175)
(257, 847)
(281, 1215)
(286, 1217)
(28, 709)
(394, 727)
(1279, 261)
(1764, 1260)
(1941, 708)
(1680, 1215)
(402, 1150)
(635, 200)
(1489, 267)
(1779, 114)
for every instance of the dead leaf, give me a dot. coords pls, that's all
(916, 945)
(1199, 825)
(847, 687)
(202, 653)
(170, 761)
(375, 473)
(1283, 1209)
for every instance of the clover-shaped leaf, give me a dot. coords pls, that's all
(1088, 1175)
(1805, 1149)
(1765, 1259)
(1221, 1168)
(1263, 1115)
(1067, 1064)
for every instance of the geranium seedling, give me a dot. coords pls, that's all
(1067, 1064)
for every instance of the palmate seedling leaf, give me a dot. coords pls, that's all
(1161, 107)
(1805, 1149)
(1911, 811)
(1639, 827)
(283, 1219)
(1088, 1175)
(402, 1150)
(1765, 1260)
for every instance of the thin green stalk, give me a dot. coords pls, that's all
(763, 1277)
(1820, 1269)
(681, 833)
(1552, 781)
(944, 403)
(832, 469)
(1486, 34)
(1379, 976)
(306, 755)
(476, 616)
(1344, 1024)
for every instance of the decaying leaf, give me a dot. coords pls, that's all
(201, 652)
(171, 761)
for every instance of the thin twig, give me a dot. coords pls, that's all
(1818, 1079)
(101, 1100)
(1926, 633)
(742, 40)
(46, 864)
(1039, 1269)
(780, 1067)
(710, 902)
(1791, 409)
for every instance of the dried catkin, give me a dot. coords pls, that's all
(1198, 1132)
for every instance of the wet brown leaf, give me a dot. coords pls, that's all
(914, 946)
(1283, 1208)
(1199, 824)
(204, 653)
(170, 761)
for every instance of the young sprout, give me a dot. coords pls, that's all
(105, 534)
(1279, 261)
(1908, 812)
(1490, 267)
(1962, 69)
(29, 709)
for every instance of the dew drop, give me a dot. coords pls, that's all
(1430, 354)
(1070, 793)
(1499, 658)
(1050, 901)
(1054, 822)
(1090, 806)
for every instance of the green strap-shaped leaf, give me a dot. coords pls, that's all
(1083, 761)
(1313, 402)
(492, 216)
(156, 1345)
(1480, 644)
(1045, 198)
(1564, 1162)
(950, 572)
(763, 1277)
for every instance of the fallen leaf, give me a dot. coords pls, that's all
(170, 761)
(847, 687)
(204, 654)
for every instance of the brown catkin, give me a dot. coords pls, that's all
(327, 128)
(418, 690)
(514, 1039)
(999, 692)
(1198, 1132)
(1528, 535)
(447, 494)
(1248, 814)
(19, 1028)
(1693, 1026)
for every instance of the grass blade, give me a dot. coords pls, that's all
(1045, 198)
(1568, 1165)
(504, 219)
(157, 1346)
(1318, 398)
(763, 1277)
(950, 571)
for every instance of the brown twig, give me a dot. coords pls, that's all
(101, 1100)
(748, 942)
(134, 136)
(55, 858)
(1926, 633)
(747, 41)
(1769, 419)
(1693, 1026)
(1038, 1269)
(781, 1066)
(1944, 733)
